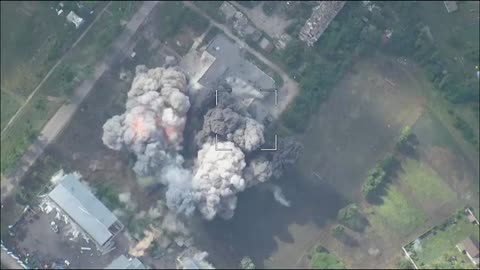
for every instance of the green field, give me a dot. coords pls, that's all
(397, 214)
(77, 65)
(31, 32)
(33, 38)
(424, 184)
(10, 104)
(438, 245)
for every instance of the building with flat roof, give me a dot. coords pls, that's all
(229, 61)
(76, 201)
(122, 262)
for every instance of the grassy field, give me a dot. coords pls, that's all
(397, 213)
(10, 104)
(456, 34)
(429, 126)
(34, 37)
(435, 248)
(77, 65)
(323, 260)
(424, 184)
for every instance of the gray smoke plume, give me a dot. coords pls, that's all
(153, 122)
(259, 170)
(229, 125)
(286, 155)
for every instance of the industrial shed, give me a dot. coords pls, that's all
(84, 209)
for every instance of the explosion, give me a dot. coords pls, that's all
(228, 159)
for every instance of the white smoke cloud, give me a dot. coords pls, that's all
(218, 178)
(279, 197)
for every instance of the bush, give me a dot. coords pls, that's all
(351, 217)
(377, 176)
(338, 231)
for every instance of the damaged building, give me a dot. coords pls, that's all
(318, 22)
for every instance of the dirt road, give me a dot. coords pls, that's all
(289, 89)
(63, 116)
(52, 69)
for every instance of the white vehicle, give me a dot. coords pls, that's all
(54, 227)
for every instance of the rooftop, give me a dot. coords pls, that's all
(75, 19)
(471, 247)
(318, 22)
(85, 209)
(122, 262)
(230, 62)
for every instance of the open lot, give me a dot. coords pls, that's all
(34, 37)
(359, 121)
(352, 131)
(77, 66)
(38, 244)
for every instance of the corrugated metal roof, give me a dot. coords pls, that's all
(83, 208)
(122, 262)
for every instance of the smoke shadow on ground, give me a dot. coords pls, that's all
(259, 220)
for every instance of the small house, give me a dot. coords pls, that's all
(471, 248)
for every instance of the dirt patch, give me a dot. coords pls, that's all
(454, 169)
(38, 242)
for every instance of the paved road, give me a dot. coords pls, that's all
(290, 88)
(62, 117)
(52, 69)
(8, 261)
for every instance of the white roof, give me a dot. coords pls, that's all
(122, 262)
(83, 208)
